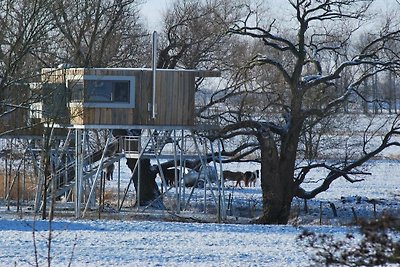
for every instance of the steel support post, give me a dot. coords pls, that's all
(78, 171)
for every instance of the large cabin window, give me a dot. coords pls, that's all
(103, 91)
(107, 91)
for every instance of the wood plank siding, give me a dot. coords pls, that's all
(175, 91)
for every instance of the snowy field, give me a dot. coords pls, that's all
(149, 243)
(130, 242)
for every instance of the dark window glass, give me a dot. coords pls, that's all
(121, 92)
(107, 91)
(100, 91)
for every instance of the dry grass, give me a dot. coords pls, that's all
(25, 191)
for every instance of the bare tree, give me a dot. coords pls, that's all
(24, 27)
(194, 33)
(94, 33)
(306, 91)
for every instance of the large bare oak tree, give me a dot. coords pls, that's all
(294, 85)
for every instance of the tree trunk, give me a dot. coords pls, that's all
(276, 182)
(149, 194)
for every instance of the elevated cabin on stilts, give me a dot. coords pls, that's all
(158, 106)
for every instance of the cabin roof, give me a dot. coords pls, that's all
(198, 73)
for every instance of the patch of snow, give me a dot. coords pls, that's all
(311, 77)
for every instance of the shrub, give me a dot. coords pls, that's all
(373, 247)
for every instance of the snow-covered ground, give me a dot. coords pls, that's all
(150, 243)
(126, 241)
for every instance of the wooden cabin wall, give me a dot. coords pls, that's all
(144, 98)
(174, 98)
(15, 112)
(18, 121)
(14, 120)
(108, 116)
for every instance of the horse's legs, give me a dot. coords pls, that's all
(246, 181)
(239, 182)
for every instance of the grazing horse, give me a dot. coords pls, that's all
(250, 178)
(169, 176)
(237, 177)
(108, 171)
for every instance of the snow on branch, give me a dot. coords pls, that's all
(240, 152)
(334, 174)
(311, 81)
(330, 10)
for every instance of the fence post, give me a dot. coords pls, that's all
(320, 213)
(354, 214)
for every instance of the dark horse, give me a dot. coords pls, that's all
(169, 176)
(250, 178)
(108, 171)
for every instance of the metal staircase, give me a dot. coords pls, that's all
(64, 188)
(63, 181)
(160, 139)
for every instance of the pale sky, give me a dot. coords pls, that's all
(152, 10)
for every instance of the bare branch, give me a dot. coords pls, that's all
(346, 170)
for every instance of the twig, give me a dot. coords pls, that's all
(73, 250)
(34, 242)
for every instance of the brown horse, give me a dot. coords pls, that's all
(250, 178)
(237, 177)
